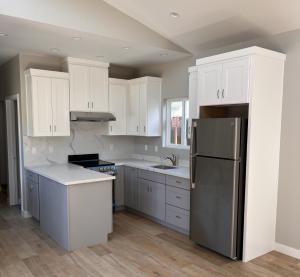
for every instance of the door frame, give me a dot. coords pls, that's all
(8, 99)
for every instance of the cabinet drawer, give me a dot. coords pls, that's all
(178, 217)
(178, 197)
(152, 176)
(33, 177)
(178, 182)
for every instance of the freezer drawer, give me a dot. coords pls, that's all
(214, 202)
(217, 137)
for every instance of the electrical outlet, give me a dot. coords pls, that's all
(156, 148)
(146, 147)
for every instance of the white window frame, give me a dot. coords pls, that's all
(167, 127)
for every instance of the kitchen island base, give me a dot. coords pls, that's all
(77, 215)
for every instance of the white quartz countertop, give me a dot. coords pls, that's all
(68, 174)
(180, 171)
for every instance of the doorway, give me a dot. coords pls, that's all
(14, 151)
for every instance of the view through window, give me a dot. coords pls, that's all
(177, 122)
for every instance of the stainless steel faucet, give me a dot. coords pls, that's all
(173, 159)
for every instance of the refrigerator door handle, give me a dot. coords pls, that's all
(193, 155)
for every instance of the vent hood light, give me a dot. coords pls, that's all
(92, 116)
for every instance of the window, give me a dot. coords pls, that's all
(177, 116)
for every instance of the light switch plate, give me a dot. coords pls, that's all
(146, 147)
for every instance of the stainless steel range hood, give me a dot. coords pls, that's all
(92, 116)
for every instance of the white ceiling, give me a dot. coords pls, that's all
(207, 24)
(36, 38)
(35, 26)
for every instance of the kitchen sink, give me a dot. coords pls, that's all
(162, 166)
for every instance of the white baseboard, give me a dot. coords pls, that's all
(26, 214)
(287, 250)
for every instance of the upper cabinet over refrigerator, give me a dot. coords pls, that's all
(88, 85)
(224, 82)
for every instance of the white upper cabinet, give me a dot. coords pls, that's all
(144, 107)
(117, 105)
(133, 110)
(210, 77)
(60, 107)
(79, 88)
(47, 103)
(224, 82)
(99, 89)
(88, 85)
(235, 81)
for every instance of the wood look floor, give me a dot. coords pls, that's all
(138, 247)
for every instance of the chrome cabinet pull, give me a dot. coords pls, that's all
(137, 128)
(88, 104)
(111, 128)
(178, 197)
(92, 105)
(222, 93)
(50, 128)
(218, 93)
(54, 128)
(144, 129)
(177, 216)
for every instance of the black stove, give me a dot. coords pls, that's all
(91, 161)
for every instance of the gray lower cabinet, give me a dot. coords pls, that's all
(32, 187)
(131, 187)
(163, 197)
(152, 198)
(119, 188)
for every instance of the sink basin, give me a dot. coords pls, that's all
(162, 166)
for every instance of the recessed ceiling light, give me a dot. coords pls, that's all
(174, 14)
(54, 50)
(126, 47)
(76, 38)
(3, 35)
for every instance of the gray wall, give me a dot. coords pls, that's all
(9, 85)
(175, 84)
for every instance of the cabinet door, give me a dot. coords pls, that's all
(235, 81)
(158, 200)
(143, 110)
(41, 106)
(117, 106)
(193, 99)
(133, 102)
(79, 88)
(33, 198)
(145, 199)
(131, 188)
(98, 89)
(209, 84)
(61, 107)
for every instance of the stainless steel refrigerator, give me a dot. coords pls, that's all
(218, 153)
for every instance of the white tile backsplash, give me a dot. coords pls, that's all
(86, 137)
